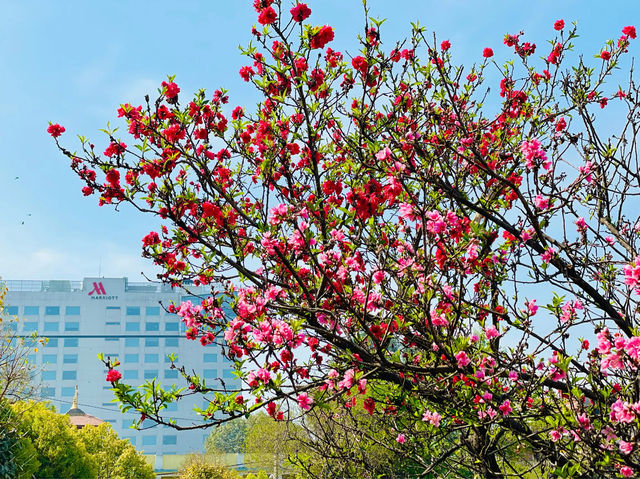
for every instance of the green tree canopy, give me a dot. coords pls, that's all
(115, 458)
(60, 451)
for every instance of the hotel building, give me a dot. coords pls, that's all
(119, 319)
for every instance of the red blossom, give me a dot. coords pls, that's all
(360, 63)
(300, 12)
(171, 90)
(558, 25)
(321, 37)
(113, 375)
(487, 52)
(267, 16)
(55, 130)
(445, 45)
(605, 55)
(629, 31)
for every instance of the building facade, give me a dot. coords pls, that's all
(119, 319)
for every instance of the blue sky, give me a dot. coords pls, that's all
(74, 62)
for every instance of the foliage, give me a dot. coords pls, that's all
(16, 373)
(389, 221)
(270, 444)
(228, 437)
(60, 451)
(19, 457)
(200, 466)
(115, 458)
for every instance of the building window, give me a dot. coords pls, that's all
(133, 310)
(131, 439)
(152, 327)
(169, 440)
(172, 407)
(153, 311)
(68, 391)
(210, 357)
(148, 440)
(49, 358)
(52, 343)
(72, 311)
(130, 374)
(171, 374)
(171, 342)
(11, 326)
(150, 373)
(48, 375)
(48, 392)
(71, 342)
(112, 340)
(50, 326)
(132, 342)
(30, 326)
(229, 374)
(72, 326)
(31, 310)
(31, 358)
(132, 327)
(151, 342)
(70, 359)
(52, 310)
(172, 326)
(210, 373)
(131, 358)
(151, 358)
(12, 310)
(72, 375)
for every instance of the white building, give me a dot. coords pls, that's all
(124, 320)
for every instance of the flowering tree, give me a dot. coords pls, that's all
(387, 238)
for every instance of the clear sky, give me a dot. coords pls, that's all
(74, 62)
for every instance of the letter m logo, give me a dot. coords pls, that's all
(98, 288)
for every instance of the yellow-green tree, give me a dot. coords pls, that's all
(115, 458)
(59, 449)
(205, 466)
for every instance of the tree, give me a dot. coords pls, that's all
(388, 220)
(115, 458)
(200, 466)
(19, 457)
(16, 382)
(59, 450)
(272, 445)
(16, 373)
(227, 438)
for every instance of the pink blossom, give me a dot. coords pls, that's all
(505, 408)
(304, 401)
(401, 438)
(384, 154)
(532, 307)
(491, 332)
(548, 255)
(625, 447)
(532, 151)
(541, 203)
(581, 225)
(626, 471)
(432, 417)
(621, 412)
(632, 275)
(555, 435)
(463, 359)
(632, 348)
(513, 375)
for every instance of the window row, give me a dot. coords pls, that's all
(129, 342)
(75, 310)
